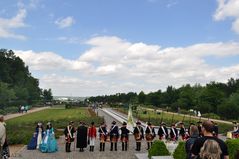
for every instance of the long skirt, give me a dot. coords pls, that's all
(48, 144)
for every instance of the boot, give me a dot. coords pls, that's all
(111, 146)
(126, 145)
(103, 146)
(66, 147)
(90, 148)
(100, 146)
(122, 146)
(69, 147)
(116, 146)
(136, 146)
(139, 146)
(93, 148)
(148, 146)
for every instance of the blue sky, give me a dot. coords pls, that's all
(92, 47)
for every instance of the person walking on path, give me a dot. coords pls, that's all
(139, 135)
(81, 137)
(69, 136)
(103, 135)
(124, 136)
(92, 136)
(207, 131)
(114, 135)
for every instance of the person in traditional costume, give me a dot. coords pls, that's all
(114, 135)
(149, 135)
(4, 149)
(69, 136)
(81, 136)
(200, 128)
(124, 136)
(48, 143)
(215, 129)
(182, 131)
(163, 131)
(92, 136)
(138, 135)
(173, 133)
(36, 138)
(103, 136)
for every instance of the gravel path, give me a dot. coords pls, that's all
(75, 154)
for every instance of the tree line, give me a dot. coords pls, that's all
(17, 85)
(215, 97)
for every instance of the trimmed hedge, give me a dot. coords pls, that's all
(233, 147)
(158, 149)
(180, 152)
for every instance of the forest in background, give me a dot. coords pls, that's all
(216, 99)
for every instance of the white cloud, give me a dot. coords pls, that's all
(65, 22)
(114, 65)
(228, 8)
(8, 25)
(70, 40)
(50, 61)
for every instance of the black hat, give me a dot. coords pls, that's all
(172, 124)
(113, 123)
(192, 123)
(181, 123)
(163, 123)
(138, 123)
(234, 122)
(199, 122)
(149, 123)
(124, 123)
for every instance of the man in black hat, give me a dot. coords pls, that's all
(114, 135)
(200, 128)
(69, 135)
(103, 135)
(182, 131)
(149, 135)
(139, 135)
(163, 131)
(124, 136)
(173, 133)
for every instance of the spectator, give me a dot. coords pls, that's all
(210, 150)
(194, 134)
(207, 130)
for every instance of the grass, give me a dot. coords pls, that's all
(169, 118)
(20, 129)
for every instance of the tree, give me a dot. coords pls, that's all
(141, 97)
(47, 95)
(6, 95)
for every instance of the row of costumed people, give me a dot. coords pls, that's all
(116, 134)
(43, 140)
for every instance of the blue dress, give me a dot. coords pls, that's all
(48, 143)
(36, 139)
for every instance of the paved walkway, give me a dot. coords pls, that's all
(75, 154)
(10, 116)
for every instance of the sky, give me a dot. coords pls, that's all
(99, 47)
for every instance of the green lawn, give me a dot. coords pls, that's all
(20, 129)
(168, 118)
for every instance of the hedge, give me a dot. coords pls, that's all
(180, 152)
(233, 147)
(158, 149)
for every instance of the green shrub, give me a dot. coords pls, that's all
(233, 147)
(180, 152)
(158, 149)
